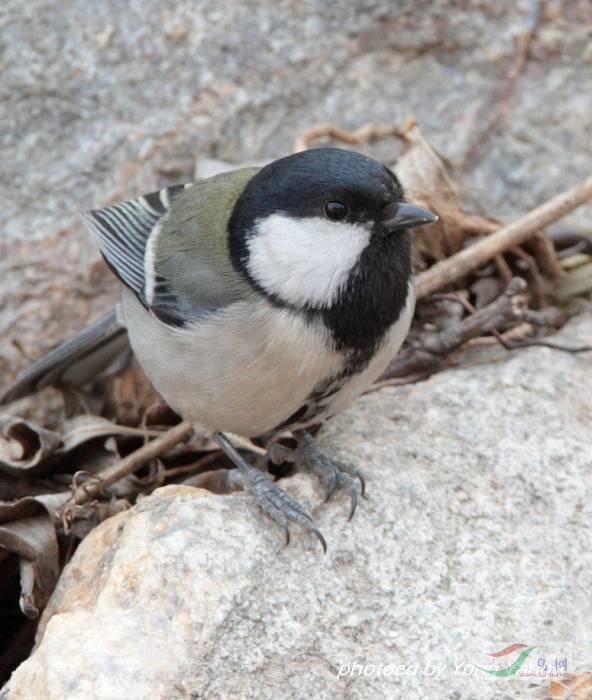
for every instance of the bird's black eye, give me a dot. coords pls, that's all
(335, 211)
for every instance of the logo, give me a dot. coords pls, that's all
(514, 667)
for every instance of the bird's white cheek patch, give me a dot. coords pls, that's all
(305, 261)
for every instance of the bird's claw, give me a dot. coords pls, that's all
(333, 473)
(333, 478)
(276, 503)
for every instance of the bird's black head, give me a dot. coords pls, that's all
(324, 183)
(325, 230)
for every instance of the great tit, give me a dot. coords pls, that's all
(259, 301)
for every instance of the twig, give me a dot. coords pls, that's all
(424, 356)
(463, 262)
(89, 490)
(519, 332)
(541, 343)
(456, 298)
(367, 132)
(399, 381)
(546, 255)
(494, 113)
(431, 350)
(194, 466)
(565, 240)
(538, 286)
(503, 268)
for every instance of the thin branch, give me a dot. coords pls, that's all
(495, 111)
(398, 381)
(427, 353)
(431, 350)
(538, 286)
(541, 343)
(194, 466)
(89, 490)
(447, 271)
(546, 255)
(456, 298)
(367, 132)
(505, 271)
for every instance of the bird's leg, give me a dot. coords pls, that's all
(269, 496)
(332, 472)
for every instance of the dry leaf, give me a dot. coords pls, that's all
(129, 393)
(24, 446)
(12, 488)
(426, 179)
(27, 529)
(81, 429)
(160, 415)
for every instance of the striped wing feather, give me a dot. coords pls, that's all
(122, 231)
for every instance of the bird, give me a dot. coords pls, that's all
(257, 301)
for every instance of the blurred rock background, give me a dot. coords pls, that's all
(101, 101)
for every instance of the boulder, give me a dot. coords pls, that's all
(475, 536)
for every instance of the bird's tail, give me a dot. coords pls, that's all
(77, 361)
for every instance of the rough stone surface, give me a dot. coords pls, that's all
(102, 100)
(476, 535)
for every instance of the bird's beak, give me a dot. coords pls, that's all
(409, 216)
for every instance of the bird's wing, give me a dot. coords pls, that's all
(170, 247)
(77, 361)
(122, 232)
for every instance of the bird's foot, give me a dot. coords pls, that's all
(273, 500)
(333, 473)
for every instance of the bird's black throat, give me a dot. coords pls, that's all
(373, 298)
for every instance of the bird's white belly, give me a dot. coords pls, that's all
(244, 369)
(249, 367)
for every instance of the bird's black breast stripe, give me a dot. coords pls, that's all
(373, 299)
(316, 402)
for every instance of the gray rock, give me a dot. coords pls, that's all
(476, 535)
